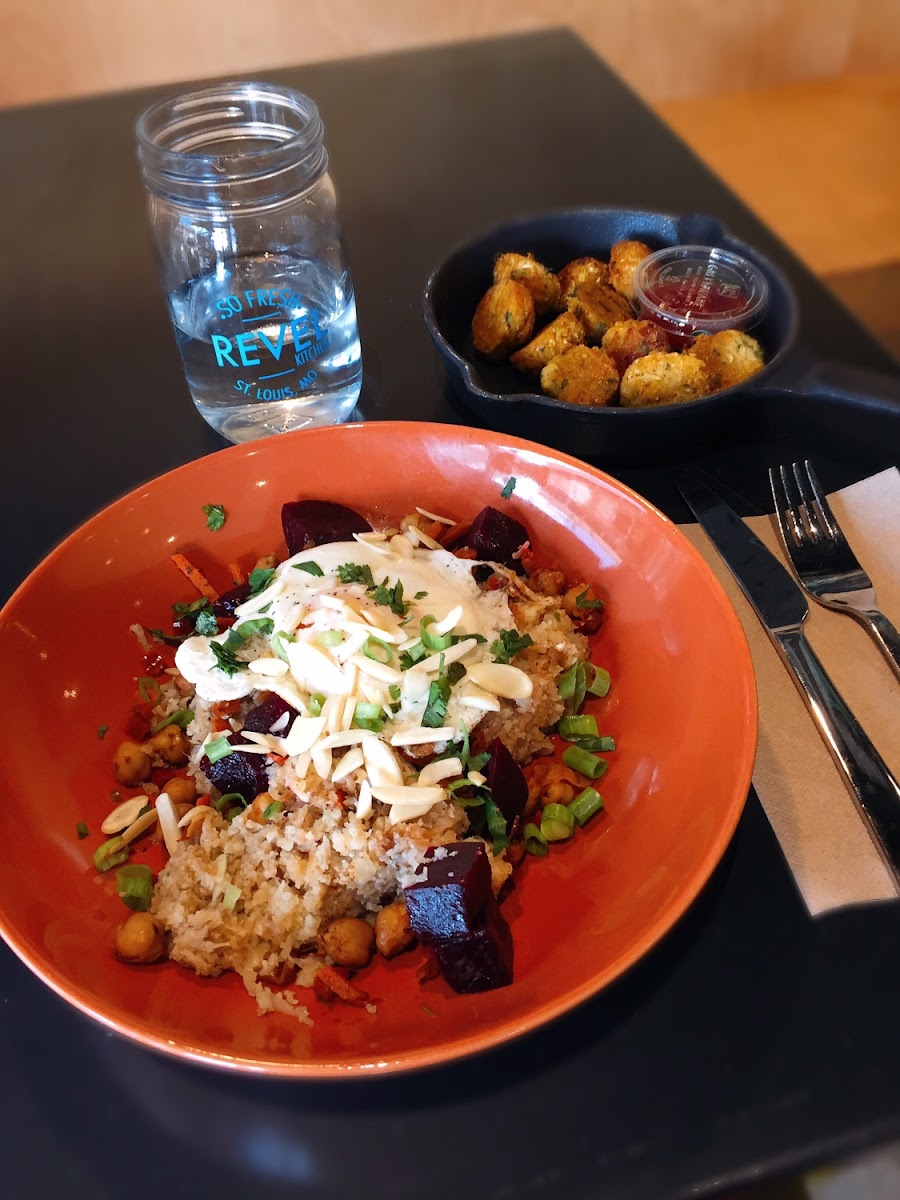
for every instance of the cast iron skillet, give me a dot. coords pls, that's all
(501, 397)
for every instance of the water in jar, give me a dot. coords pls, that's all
(270, 343)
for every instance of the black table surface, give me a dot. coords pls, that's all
(753, 1040)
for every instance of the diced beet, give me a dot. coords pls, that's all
(308, 523)
(481, 960)
(496, 537)
(453, 891)
(228, 601)
(261, 718)
(507, 783)
(241, 773)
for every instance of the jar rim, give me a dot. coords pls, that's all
(285, 122)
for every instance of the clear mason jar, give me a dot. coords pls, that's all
(244, 217)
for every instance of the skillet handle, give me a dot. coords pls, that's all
(871, 390)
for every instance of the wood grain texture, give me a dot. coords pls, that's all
(56, 48)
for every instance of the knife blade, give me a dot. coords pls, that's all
(782, 609)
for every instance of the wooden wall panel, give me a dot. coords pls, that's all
(665, 48)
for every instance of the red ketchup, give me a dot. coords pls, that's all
(688, 290)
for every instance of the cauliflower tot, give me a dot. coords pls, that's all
(627, 340)
(597, 306)
(579, 272)
(560, 335)
(525, 269)
(584, 375)
(660, 378)
(730, 357)
(503, 320)
(623, 262)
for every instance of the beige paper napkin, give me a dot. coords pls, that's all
(823, 837)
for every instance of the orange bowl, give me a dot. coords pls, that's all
(682, 711)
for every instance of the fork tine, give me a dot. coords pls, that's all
(829, 522)
(784, 511)
(810, 517)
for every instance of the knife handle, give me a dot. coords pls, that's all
(876, 791)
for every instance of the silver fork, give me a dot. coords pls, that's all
(823, 559)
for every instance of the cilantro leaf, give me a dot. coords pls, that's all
(260, 578)
(311, 568)
(455, 672)
(356, 573)
(508, 488)
(215, 516)
(188, 609)
(391, 598)
(436, 709)
(102, 732)
(508, 645)
(226, 660)
(206, 624)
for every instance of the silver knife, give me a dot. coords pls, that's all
(782, 608)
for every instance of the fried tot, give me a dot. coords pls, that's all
(525, 269)
(583, 375)
(660, 378)
(503, 320)
(627, 340)
(560, 335)
(730, 357)
(623, 261)
(579, 272)
(597, 306)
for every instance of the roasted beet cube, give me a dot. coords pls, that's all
(482, 959)
(507, 783)
(241, 773)
(308, 523)
(229, 601)
(496, 537)
(452, 893)
(261, 718)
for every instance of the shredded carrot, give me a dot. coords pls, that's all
(196, 576)
(452, 533)
(278, 759)
(237, 575)
(330, 980)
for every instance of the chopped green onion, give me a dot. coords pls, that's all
(215, 516)
(572, 686)
(557, 823)
(584, 762)
(272, 810)
(111, 854)
(182, 717)
(535, 842)
(229, 800)
(311, 568)
(231, 897)
(474, 801)
(575, 728)
(599, 681)
(329, 637)
(146, 686)
(378, 651)
(508, 488)
(496, 824)
(316, 701)
(395, 692)
(102, 732)
(585, 804)
(82, 830)
(264, 608)
(134, 883)
(260, 578)
(369, 716)
(603, 744)
(279, 637)
(218, 748)
(434, 641)
(582, 600)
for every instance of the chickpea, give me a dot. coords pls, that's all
(140, 939)
(181, 791)
(132, 764)
(171, 745)
(257, 809)
(392, 931)
(266, 562)
(348, 941)
(547, 583)
(560, 791)
(586, 620)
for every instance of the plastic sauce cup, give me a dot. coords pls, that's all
(688, 290)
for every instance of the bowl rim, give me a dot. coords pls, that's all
(537, 1015)
(466, 369)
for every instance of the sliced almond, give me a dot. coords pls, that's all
(475, 698)
(434, 516)
(376, 670)
(502, 679)
(422, 736)
(401, 545)
(268, 666)
(303, 734)
(168, 821)
(364, 800)
(123, 815)
(452, 619)
(434, 772)
(141, 825)
(350, 762)
(382, 766)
